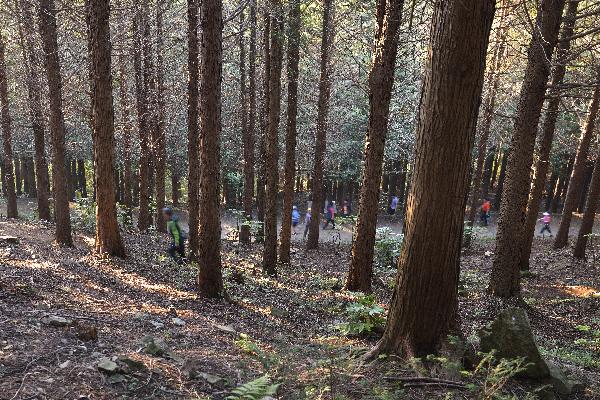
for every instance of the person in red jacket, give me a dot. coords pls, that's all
(485, 211)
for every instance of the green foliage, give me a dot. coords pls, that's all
(249, 346)
(387, 247)
(494, 374)
(84, 214)
(254, 390)
(364, 316)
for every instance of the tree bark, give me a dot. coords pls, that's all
(293, 59)
(210, 278)
(127, 134)
(160, 152)
(108, 238)
(192, 127)
(318, 190)
(9, 179)
(505, 279)
(589, 215)
(47, 24)
(577, 176)
(175, 187)
(424, 303)
(547, 134)
(272, 142)
(381, 82)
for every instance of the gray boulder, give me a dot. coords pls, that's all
(155, 346)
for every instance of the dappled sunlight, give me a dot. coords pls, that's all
(580, 291)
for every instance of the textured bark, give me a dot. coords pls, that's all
(505, 279)
(127, 134)
(587, 223)
(81, 178)
(551, 189)
(31, 63)
(210, 278)
(175, 188)
(562, 185)
(318, 190)
(18, 178)
(160, 152)
(293, 59)
(547, 134)
(381, 82)
(192, 127)
(9, 178)
(272, 141)
(248, 125)
(108, 238)
(577, 176)
(487, 172)
(424, 303)
(32, 188)
(47, 25)
(501, 178)
(587, 179)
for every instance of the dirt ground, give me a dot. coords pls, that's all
(288, 324)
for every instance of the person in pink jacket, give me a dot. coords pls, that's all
(546, 220)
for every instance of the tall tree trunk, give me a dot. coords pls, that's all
(47, 24)
(81, 176)
(108, 238)
(35, 107)
(192, 127)
(501, 178)
(587, 223)
(487, 172)
(160, 152)
(505, 279)
(9, 179)
(381, 82)
(577, 176)
(293, 59)
(175, 187)
(551, 189)
(32, 192)
(547, 134)
(318, 193)
(210, 278)
(247, 135)
(424, 303)
(561, 187)
(272, 140)
(25, 175)
(127, 134)
(18, 177)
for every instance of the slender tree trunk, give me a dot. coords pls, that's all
(589, 215)
(47, 24)
(293, 59)
(18, 178)
(577, 176)
(108, 238)
(160, 153)
(501, 178)
(505, 279)
(35, 108)
(32, 190)
(272, 141)
(587, 179)
(381, 82)
(9, 179)
(487, 172)
(192, 127)
(318, 190)
(175, 187)
(547, 135)
(424, 303)
(551, 189)
(25, 176)
(210, 278)
(562, 185)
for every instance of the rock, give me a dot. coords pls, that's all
(140, 315)
(157, 324)
(107, 366)
(156, 347)
(116, 378)
(64, 365)
(9, 239)
(212, 379)
(279, 312)
(178, 322)
(510, 335)
(55, 320)
(132, 365)
(561, 383)
(193, 370)
(87, 332)
(488, 254)
(226, 328)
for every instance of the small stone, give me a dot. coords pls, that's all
(54, 320)
(140, 315)
(226, 328)
(157, 325)
(212, 379)
(488, 254)
(279, 312)
(107, 366)
(131, 364)
(155, 347)
(9, 239)
(116, 378)
(64, 365)
(178, 322)
(561, 383)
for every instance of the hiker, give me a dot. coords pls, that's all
(306, 222)
(176, 247)
(546, 220)
(346, 208)
(295, 218)
(330, 215)
(485, 212)
(393, 205)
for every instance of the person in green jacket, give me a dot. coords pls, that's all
(177, 245)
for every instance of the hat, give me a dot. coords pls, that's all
(294, 207)
(546, 213)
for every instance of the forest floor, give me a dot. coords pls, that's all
(285, 326)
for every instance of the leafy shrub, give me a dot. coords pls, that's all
(494, 374)
(84, 214)
(387, 247)
(249, 346)
(254, 390)
(364, 316)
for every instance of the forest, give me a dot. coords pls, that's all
(300, 199)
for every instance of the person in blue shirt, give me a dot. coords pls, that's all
(295, 219)
(177, 246)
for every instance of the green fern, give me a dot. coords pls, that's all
(254, 390)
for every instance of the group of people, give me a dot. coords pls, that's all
(330, 212)
(546, 219)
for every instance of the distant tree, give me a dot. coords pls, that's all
(587, 222)
(381, 81)
(505, 279)
(108, 238)
(9, 178)
(47, 26)
(424, 303)
(210, 278)
(160, 152)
